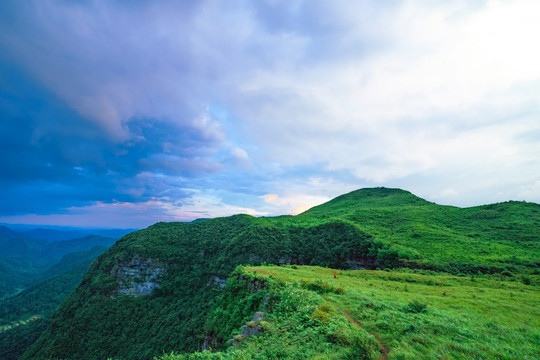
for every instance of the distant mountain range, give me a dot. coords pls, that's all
(29, 256)
(57, 233)
(38, 269)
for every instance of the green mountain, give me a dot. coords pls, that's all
(26, 261)
(23, 317)
(484, 238)
(153, 290)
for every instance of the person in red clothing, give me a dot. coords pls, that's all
(335, 274)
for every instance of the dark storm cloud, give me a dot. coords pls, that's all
(53, 158)
(100, 98)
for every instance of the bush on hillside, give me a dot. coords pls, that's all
(415, 307)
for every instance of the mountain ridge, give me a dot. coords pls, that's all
(185, 263)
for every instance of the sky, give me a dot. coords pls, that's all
(126, 113)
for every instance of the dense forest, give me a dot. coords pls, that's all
(25, 261)
(38, 270)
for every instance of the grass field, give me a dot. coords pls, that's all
(399, 314)
(429, 316)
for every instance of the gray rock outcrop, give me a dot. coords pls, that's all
(139, 277)
(253, 327)
(217, 281)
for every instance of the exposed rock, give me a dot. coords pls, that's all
(249, 331)
(265, 301)
(210, 342)
(284, 260)
(256, 285)
(258, 316)
(138, 277)
(362, 263)
(253, 327)
(205, 346)
(217, 281)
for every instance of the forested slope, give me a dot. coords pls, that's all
(24, 316)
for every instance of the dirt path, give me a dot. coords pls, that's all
(382, 348)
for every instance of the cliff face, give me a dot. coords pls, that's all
(138, 277)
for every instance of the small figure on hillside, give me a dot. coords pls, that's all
(335, 274)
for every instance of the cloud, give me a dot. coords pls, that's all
(270, 198)
(110, 103)
(296, 203)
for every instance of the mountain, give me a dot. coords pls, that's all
(51, 234)
(57, 233)
(44, 251)
(63, 234)
(15, 273)
(23, 317)
(23, 261)
(483, 238)
(153, 290)
(6, 232)
(45, 296)
(72, 260)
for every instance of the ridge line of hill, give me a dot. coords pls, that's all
(168, 276)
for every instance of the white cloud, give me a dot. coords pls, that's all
(294, 204)
(239, 153)
(205, 205)
(449, 97)
(433, 97)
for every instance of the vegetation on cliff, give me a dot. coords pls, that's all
(366, 314)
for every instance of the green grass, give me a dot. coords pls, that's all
(446, 237)
(463, 317)
(376, 315)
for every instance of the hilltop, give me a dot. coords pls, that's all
(153, 290)
(483, 238)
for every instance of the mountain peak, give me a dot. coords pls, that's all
(371, 197)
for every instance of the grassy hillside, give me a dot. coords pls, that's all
(385, 228)
(400, 314)
(486, 238)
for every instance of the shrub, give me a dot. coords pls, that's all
(526, 279)
(339, 290)
(322, 313)
(318, 286)
(505, 272)
(415, 307)
(363, 346)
